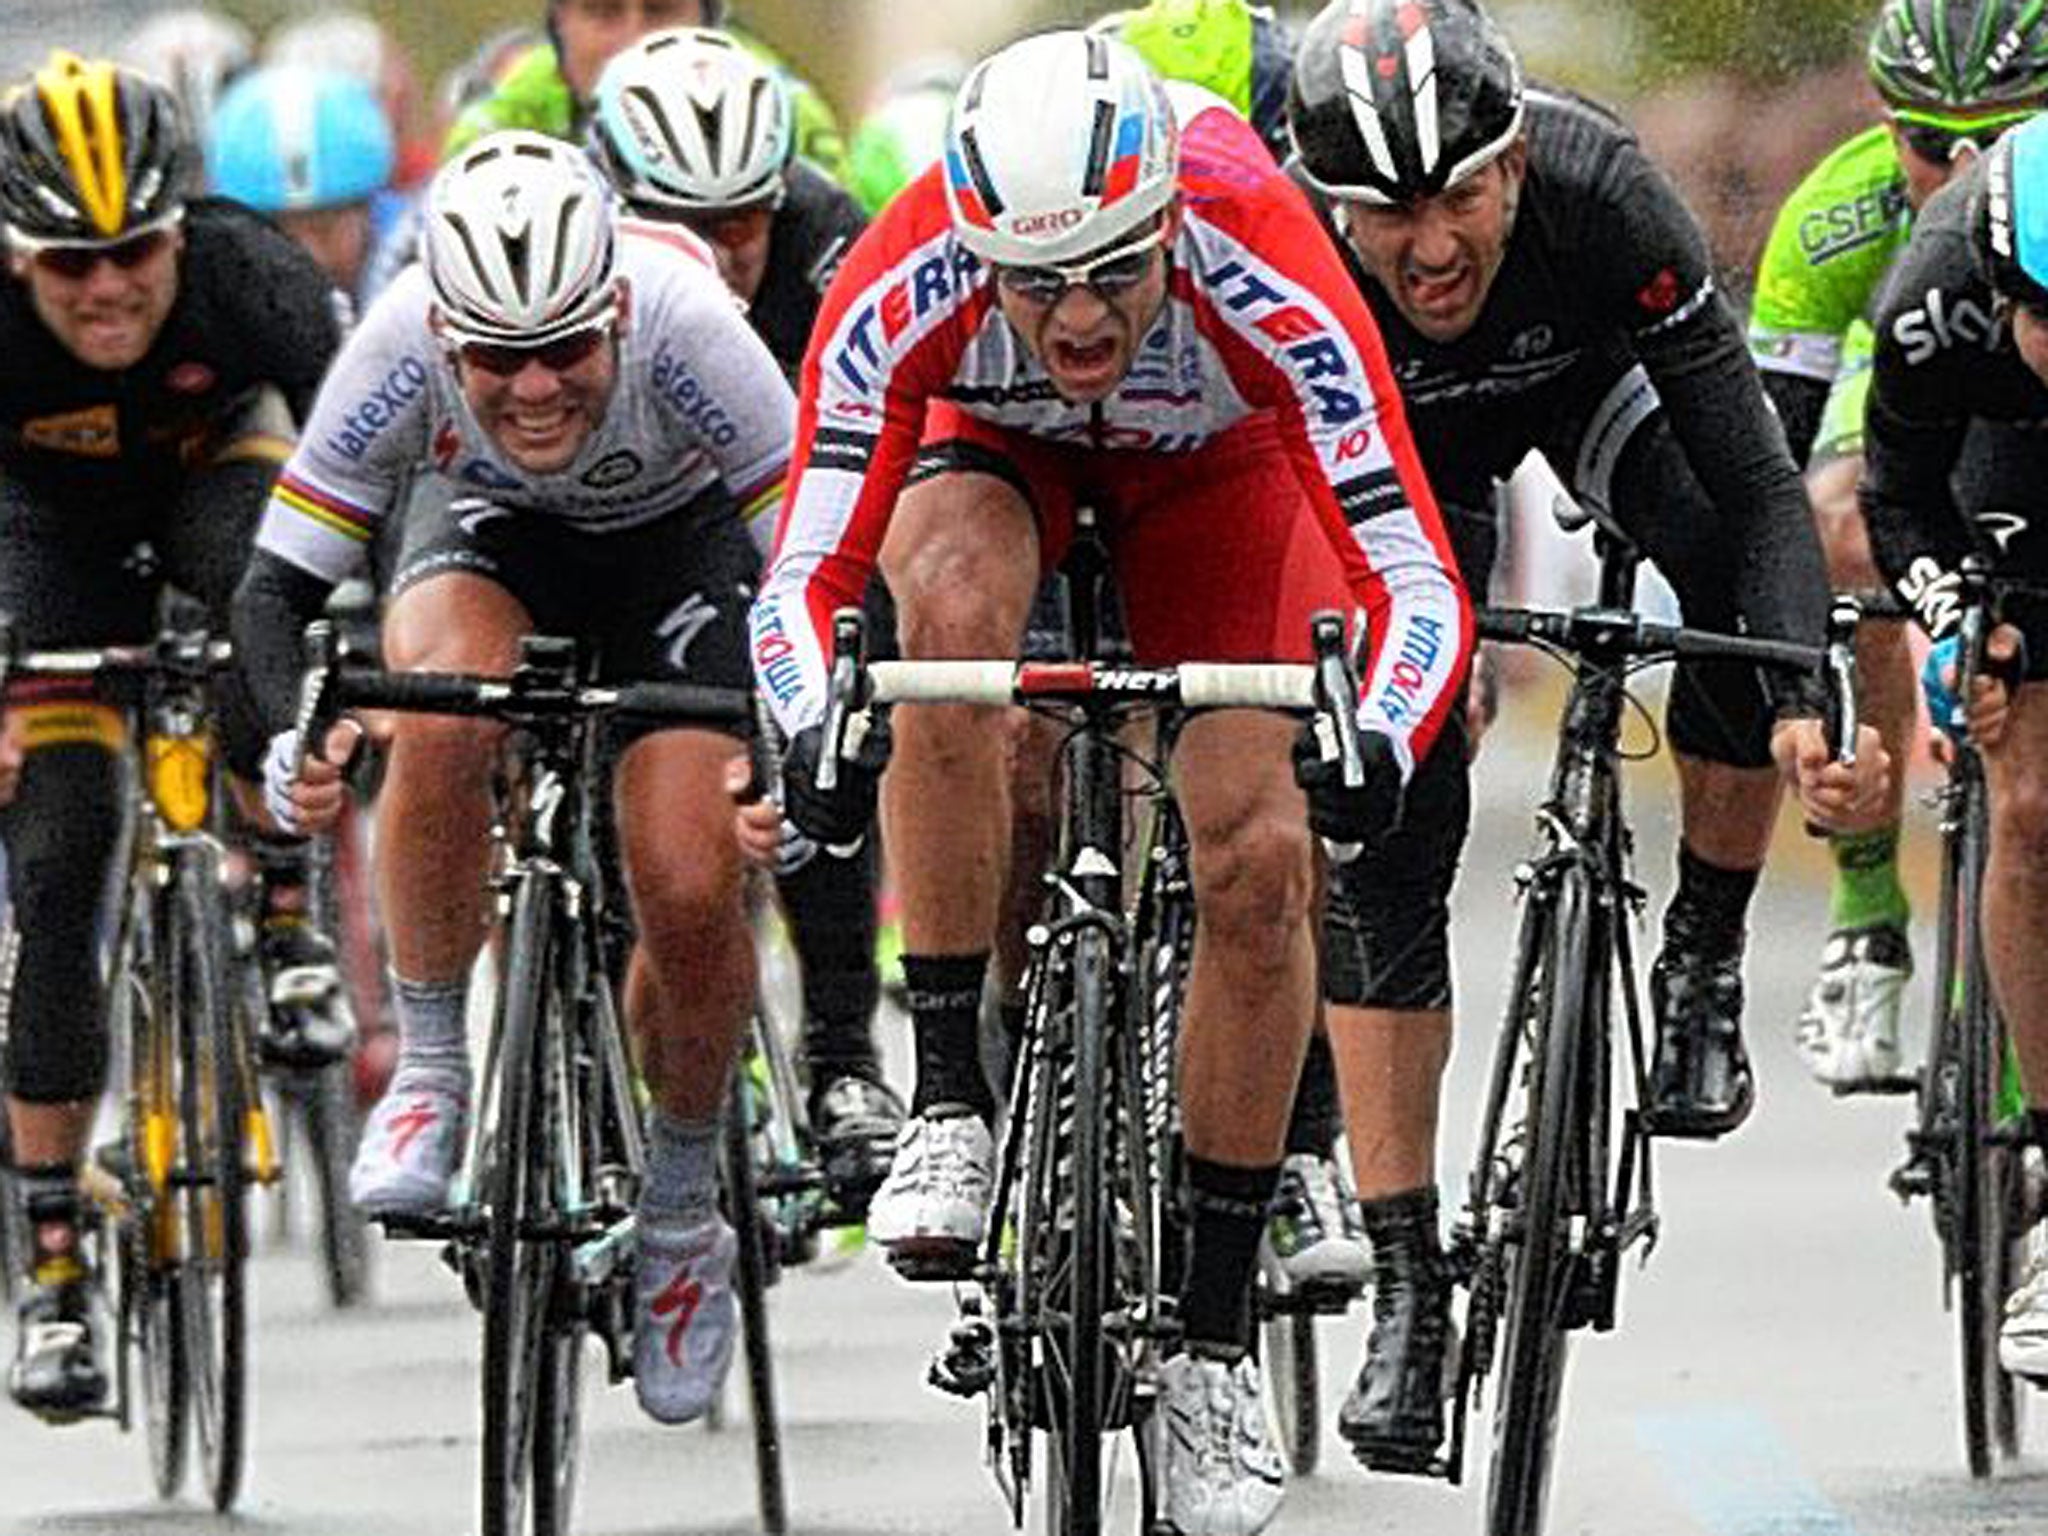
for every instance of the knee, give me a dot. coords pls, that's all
(1253, 876)
(2019, 823)
(456, 753)
(688, 912)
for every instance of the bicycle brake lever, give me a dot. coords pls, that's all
(1336, 717)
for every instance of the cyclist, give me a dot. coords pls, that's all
(551, 89)
(311, 148)
(1953, 75)
(1147, 317)
(1978, 257)
(349, 41)
(158, 350)
(196, 52)
(1540, 286)
(778, 227)
(615, 423)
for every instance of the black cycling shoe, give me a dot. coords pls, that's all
(310, 1023)
(854, 1120)
(1701, 1085)
(58, 1374)
(1393, 1419)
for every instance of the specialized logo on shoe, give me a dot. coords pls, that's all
(682, 1295)
(408, 1125)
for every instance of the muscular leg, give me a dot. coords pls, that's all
(2016, 883)
(693, 972)
(1390, 1065)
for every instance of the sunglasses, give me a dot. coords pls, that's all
(1940, 145)
(76, 262)
(1108, 276)
(502, 360)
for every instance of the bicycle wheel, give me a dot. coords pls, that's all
(752, 1223)
(1288, 1366)
(1539, 1261)
(521, 1269)
(1982, 1174)
(214, 1094)
(326, 1108)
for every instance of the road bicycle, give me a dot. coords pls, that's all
(541, 1225)
(1070, 1314)
(171, 1189)
(1561, 1186)
(1965, 1151)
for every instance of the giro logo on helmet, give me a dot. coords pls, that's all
(1048, 223)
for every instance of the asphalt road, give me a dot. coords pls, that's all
(1783, 1366)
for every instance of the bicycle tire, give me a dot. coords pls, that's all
(213, 1101)
(1535, 1297)
(520, 1272)
(1981, 1173)
(327, 1109)
(1293, 1380)
(146, 1236)
(750, 1222)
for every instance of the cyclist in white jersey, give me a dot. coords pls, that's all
(612, 419)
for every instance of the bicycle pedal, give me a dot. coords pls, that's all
(1912, 1180)
(931, 1264)
(967, 1366)
(1876, 1087)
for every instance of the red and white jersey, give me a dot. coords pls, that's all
(1261, 317)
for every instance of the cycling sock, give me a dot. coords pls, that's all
(945, 1019)
(1227, 1213)
(681, 1187)
(1867, 893)
(433, 1041)
(2035, 1129)
(1711, 904)
(1312, 1126)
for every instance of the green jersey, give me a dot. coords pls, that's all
(1829, 248)
(533, 95)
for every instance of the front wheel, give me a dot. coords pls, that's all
(1539, 1260)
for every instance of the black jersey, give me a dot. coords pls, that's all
(814, 228)
(1606, 269)
(252, 309)
(1945, 363)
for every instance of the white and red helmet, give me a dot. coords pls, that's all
(1058, 146)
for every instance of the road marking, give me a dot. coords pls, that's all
(1734, 1476)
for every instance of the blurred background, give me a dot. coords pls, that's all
(1736, 97)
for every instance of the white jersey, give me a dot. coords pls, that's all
(699, 400)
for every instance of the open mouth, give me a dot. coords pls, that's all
(1084, 357)
(1441, 290)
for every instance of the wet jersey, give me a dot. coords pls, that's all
(813, 230)
(1605, 272)
(1944, 361)
(698, 400)
(252, 310)
(1259, 318)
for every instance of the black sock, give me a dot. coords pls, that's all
(1312, 1125)
(1227, 1212)
(831, 908)
(1711, 906)
(2036, 1129)
(945, 1019)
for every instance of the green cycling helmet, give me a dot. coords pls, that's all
(1957, 62)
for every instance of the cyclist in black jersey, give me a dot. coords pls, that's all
(1540, 286)
(695, 130)
(1962, 339)
(158, 352)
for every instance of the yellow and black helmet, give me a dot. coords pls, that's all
(89, 151)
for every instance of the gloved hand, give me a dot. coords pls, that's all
(838, 818)
(305, 796)
(1938, 686)
(1360, 814)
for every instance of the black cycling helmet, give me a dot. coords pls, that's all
(2009, 216)
(89, 151)
(1949, 60)
(1394, 100)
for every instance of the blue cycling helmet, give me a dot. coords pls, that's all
(286, 138)
(2009, 220)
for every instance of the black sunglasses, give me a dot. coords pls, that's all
(1940, 146)
(77, 261)
(502, 360)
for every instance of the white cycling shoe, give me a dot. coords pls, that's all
(411, 1146)
(1224, 1476)
(1849, 1034)
(935, 1198)
(1314, 1236)
(685, 1319)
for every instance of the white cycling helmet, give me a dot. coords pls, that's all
(519, 241)
(1058, 145)
(688, 119)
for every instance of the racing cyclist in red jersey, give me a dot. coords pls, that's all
(1108, 291)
